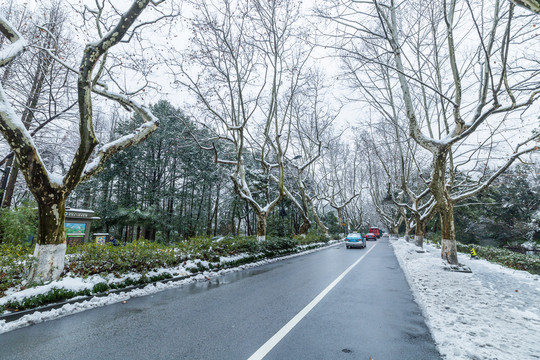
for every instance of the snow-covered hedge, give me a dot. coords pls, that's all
(139, 262)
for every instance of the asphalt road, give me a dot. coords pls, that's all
(368, 311)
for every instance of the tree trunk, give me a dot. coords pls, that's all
(446, 207)
(318, 219)
(304, 228)
(216, 209)
(448, 234)
(10, 184)
(248, 222)
(261, 226)
(419, 233)
(394, 231)
(51, 240)
(209, 213)
(407, 226)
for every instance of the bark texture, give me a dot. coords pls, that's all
(261, 226)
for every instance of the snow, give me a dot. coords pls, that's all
(80, 283)
(530, 245)
(80, 211)
(491, 313)
(57, 179)
(16, 47)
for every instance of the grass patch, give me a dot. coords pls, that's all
(53, 296)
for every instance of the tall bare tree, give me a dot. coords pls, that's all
(494, 82)
(35, 80)
(456, 56)
(340, 182)
(312, 119)
(51, 189)
(245, 67)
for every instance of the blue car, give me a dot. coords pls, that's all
(355, 240)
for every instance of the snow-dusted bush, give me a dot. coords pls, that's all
(530, 263)
(15, 263)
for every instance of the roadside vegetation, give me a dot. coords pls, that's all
(508, 258)
(141, 262)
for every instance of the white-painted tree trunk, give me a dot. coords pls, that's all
(419, 240)
(50, 262)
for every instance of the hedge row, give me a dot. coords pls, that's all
(143, 256)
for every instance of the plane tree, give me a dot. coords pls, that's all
(245, 66)
(500, 93)
(312, 119)
(50, 189)
(34, 82)
(340, 181)
(457, 56)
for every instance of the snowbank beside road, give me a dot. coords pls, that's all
(491, 313)
(80, 283)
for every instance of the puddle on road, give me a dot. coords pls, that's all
(217, 281)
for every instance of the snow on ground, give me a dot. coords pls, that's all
(491, 313)
(80, 283)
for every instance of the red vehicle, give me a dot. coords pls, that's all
(376, 232)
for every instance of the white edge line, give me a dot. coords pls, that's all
(274, 340)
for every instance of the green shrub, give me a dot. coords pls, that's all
(504, 257)
(15, 264)
(277, 244)
(245, 244)
(54, 295)
(100, 287)
(139, 256)
(315, 236)
(18, 225)
(160, 277)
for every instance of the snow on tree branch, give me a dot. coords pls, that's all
(532, 5)
(141, 133)
(18, 43)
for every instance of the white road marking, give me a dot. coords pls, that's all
(274, 340)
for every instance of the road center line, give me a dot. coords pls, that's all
(274, 340)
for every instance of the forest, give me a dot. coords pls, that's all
(180, 119)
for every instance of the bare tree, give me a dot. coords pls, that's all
(455, 56)
(246, 67)
(340, 183)
(51, 189)
(500, 89)
(312, 120)
(33, 82)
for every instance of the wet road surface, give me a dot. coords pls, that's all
(369, 312)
